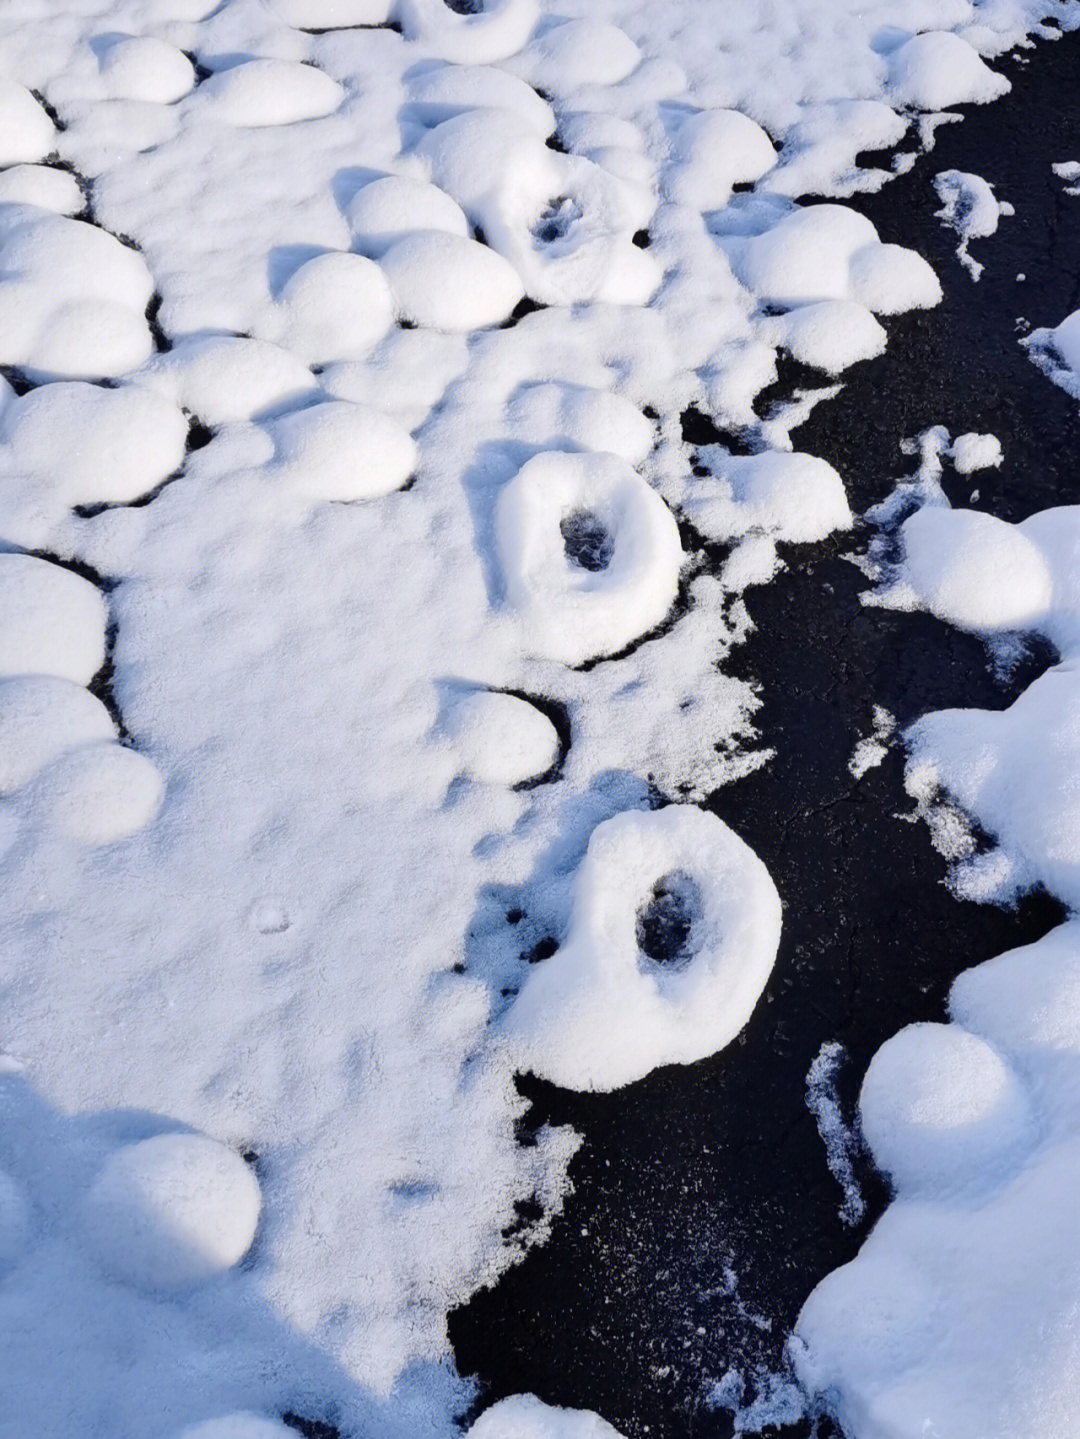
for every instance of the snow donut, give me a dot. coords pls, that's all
(590, 554)
(673, 933)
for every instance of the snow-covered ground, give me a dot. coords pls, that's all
(352, 654)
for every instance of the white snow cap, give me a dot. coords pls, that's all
(26, 132)
(142, 67)
(52, 622)
(388, 209)
(973, 452)
(590, 554)
(172, 1211)
(829, 335)
(238, 1426)
(501, 738)
(447, 282)
(98, 793)
(790, 496)
(335, 307)
(549, 415)
(270, 92)
(42, 717)
(222, 378)
(939, 69)
(716, 150)
(523, 1416)
(341, 451)
(600, 1012)
(975, 571)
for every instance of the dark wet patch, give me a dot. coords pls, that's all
(587, 541)
(162, 343)
(554, 142)
(521, 309)
(703, 1212)
(666, 921)
(311, 1428)
(698, 428)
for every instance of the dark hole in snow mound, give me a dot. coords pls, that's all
(555, 220)
(588, 542)
(666, 920)
(521, 309)
(311, 1428)
(642, 239)
(465, 7)
(540, 951)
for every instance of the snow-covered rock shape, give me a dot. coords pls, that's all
(98, 793)
(577, 53)
(222, 378)
(388, 209)
(716, 150)
(340, 451)
(466, 34)
(551, 415)
(144, 68)
(602, 1012)
(590, 555)
(787, 495)
(332, 14)
(501, 739)
(171, 1211)
(938, 69)
(43, 187)
(52, 622)
(446, 282)
(73, 443)
(270, 92)
(830, 252)
(523, 1416)
(73, 302)
(335, 307)
(441, 92)
(238, 1426)
(26, 132)
(829, 335)
(1056, 351)
(41, 717)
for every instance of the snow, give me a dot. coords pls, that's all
(275, 912)
(238, 1426)
(1056, 351)
(523, 1416)
(52, 622)
(601, 1012)
(573, 608)
(970, 208)
(171, 1211)
(972, 452)
(937, 69)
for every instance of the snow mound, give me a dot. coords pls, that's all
(386, 210)
(26, 132)
(73, 301)
(43, 187)
(142, 67)
(590, 555)
(52, 622)
(99, 793)
(335, 307)
(523, 1416)
(1056, 351)
(238, 1426)
(580, 52)
(466, 34)
(940, 1107)
(341, 451)
(969, 207)
(332, 15)
(938, 69)
(552, 416)
(265, 92)
(222, 378)
(973, 452)
(790, 496)
(830, 335)
(673, 933)
(975, 571)
(73, 443)
(440, 93)
(716, 150)
(41, 717)
(171, 1211)
(829, 252)
(446, 282)
(501, 739)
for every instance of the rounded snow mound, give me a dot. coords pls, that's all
(388, 209)
(523, 1416)
(715, 150)
(788, 495)
(939, 1108)
(73, 302)
(332, 14)
(264, 92)
(335, 307)
(550, 415)
(830, 252)
(469, 34)
(580, 52)
(974, 570)
(52, 622)
(26, 132)
(238, 1426)
(99, 793)
(42, 186)
(939, 69)
(590, 554)
(142, 67)
(502, 739)
(440, 93)
(673, 932)
(341, 451)
(172, 1211)
(42, 717)
(447, 282)
(831, 335)
(86, 445)
(225, 378)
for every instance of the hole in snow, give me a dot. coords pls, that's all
(465, 7)
(588, 543)
(553, 222)
(666, 920)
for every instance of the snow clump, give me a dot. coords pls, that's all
(523, 1416)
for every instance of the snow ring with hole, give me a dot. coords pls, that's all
(940, 1107)
(576, 607)
(172, 1211)
(603, 1011)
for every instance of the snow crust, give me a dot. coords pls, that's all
(275, 912)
